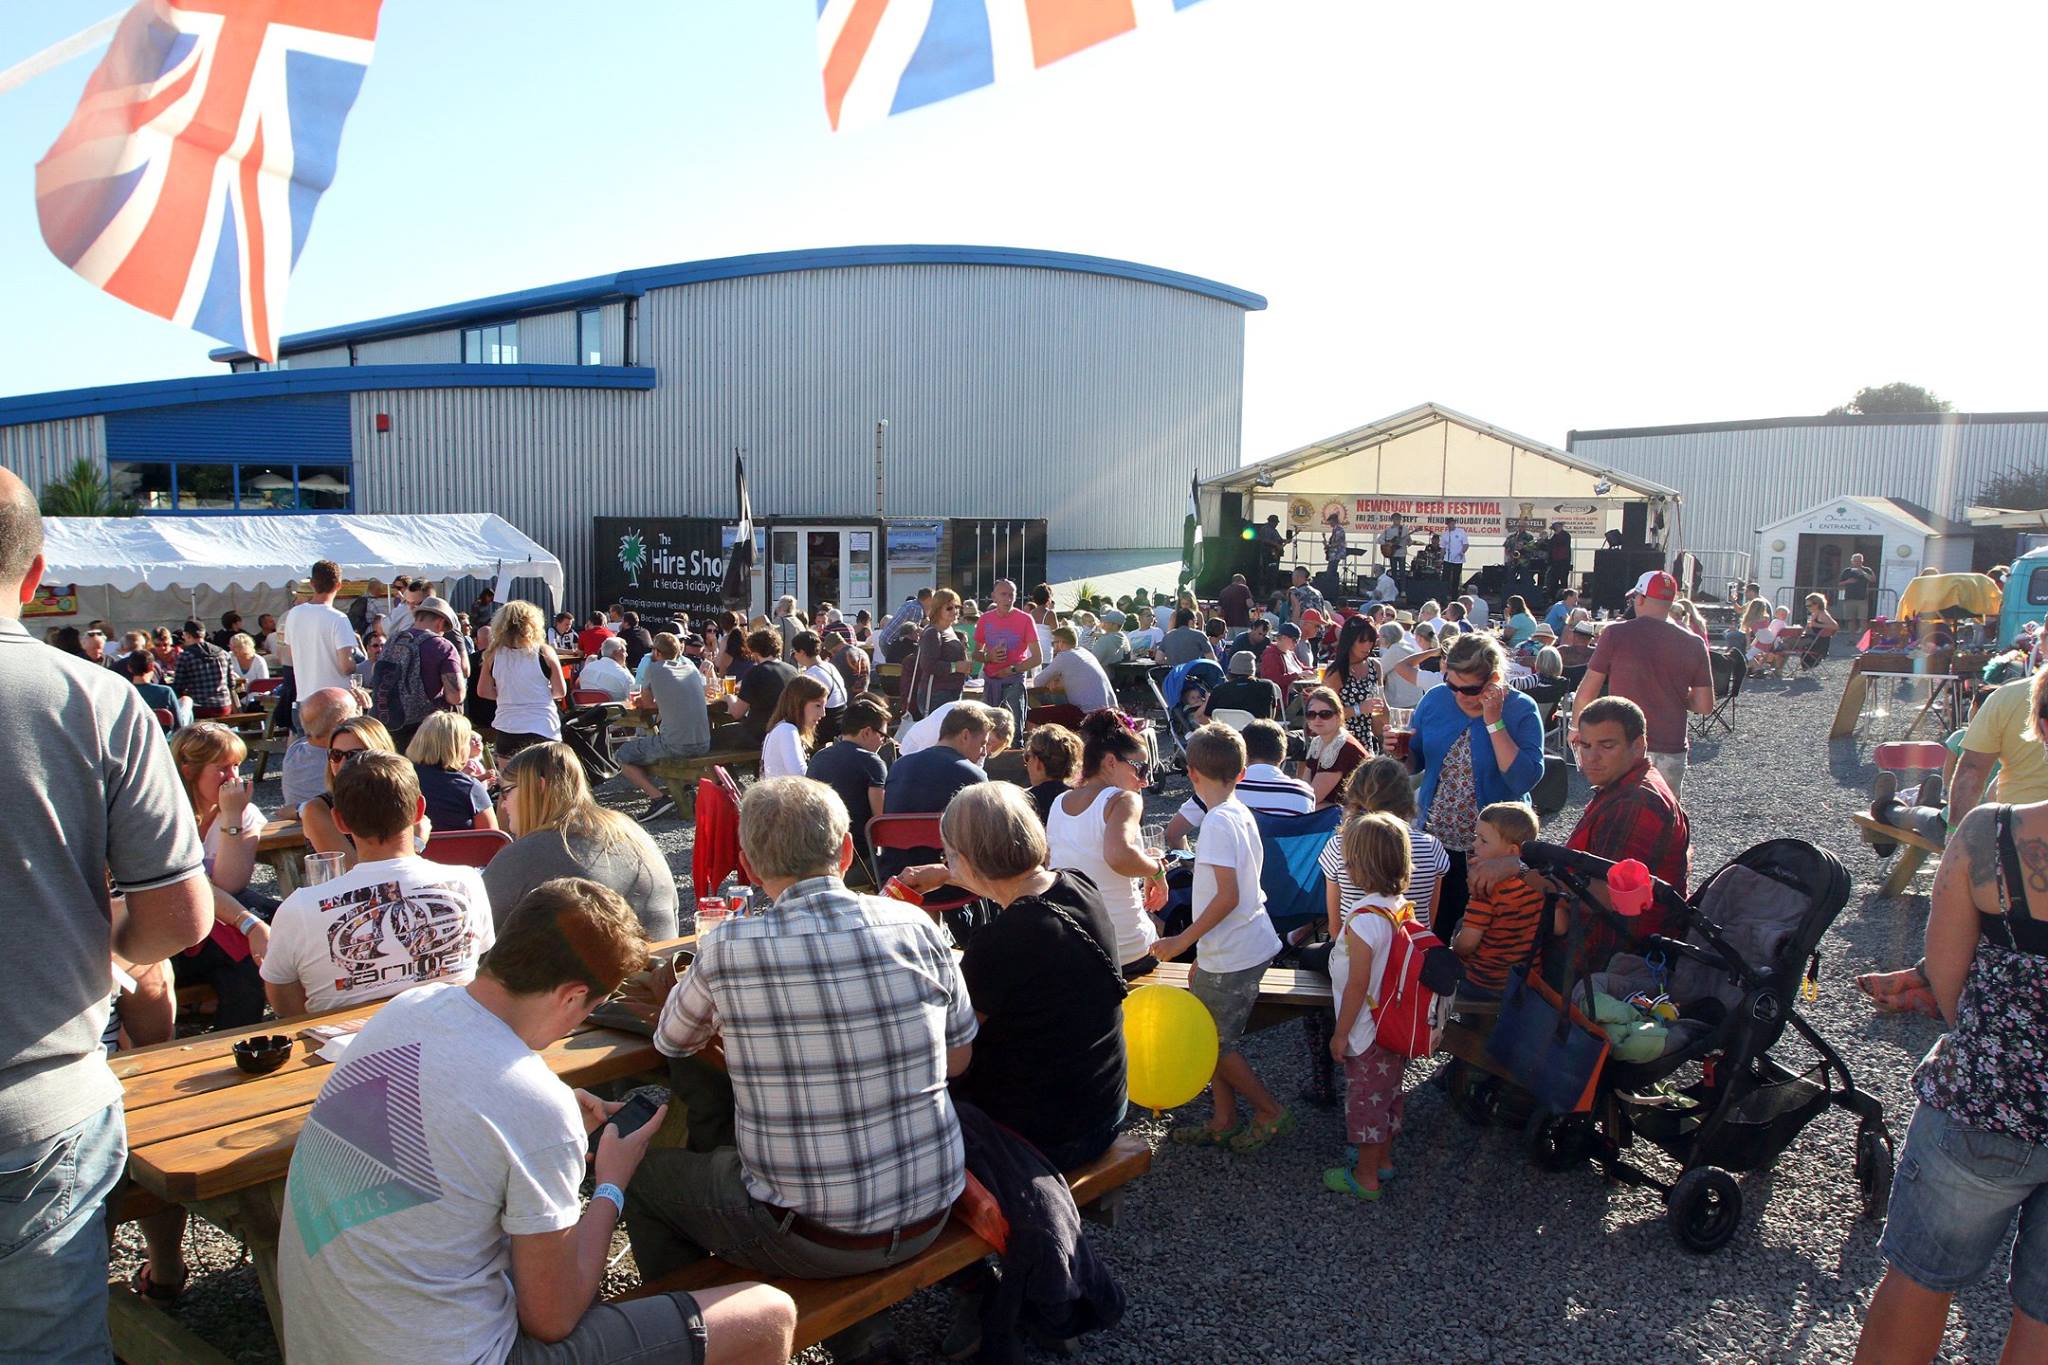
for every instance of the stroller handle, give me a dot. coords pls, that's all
(1557, 858)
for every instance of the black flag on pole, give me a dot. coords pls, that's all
(736, 589)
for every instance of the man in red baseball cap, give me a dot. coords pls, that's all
(1657, 664)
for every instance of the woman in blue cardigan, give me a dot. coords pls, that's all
(1478, 742)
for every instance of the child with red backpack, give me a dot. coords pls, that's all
(1383, 1009)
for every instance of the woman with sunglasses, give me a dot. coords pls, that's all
(1094, 829)
(357, 734)
(1477, 741)
(1333, 750)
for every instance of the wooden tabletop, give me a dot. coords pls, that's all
(199, 1128)
(282, 834)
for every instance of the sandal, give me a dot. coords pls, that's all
(158, 1295)
(1340, 1181)
(1351, 1155)
(1256, 1135)
(1202, 1135)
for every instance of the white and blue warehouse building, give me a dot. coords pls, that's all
(1073, 394)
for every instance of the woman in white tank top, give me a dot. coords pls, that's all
(1095, 829)
(523, 675)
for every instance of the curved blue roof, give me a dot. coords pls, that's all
(633, 283)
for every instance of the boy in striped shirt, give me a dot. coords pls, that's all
(1498, 931)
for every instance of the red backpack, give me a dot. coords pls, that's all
(1404, 1015)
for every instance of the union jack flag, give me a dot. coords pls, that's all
(186, 180)
(881, 57)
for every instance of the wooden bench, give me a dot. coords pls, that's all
(826, 1307)
(680, 775)
(1913, 851)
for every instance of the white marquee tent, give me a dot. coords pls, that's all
(229, 559)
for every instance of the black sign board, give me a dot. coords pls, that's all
(658, 566)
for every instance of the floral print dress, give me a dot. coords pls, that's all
(1355, 691)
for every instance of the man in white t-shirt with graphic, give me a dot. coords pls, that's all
(1233, 939)
(323, 644)
(393, 920)
(432, 1210)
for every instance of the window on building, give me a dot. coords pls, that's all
(227, 484)
(206, 487)
(497, 344)
(281, 363)
(590, 337)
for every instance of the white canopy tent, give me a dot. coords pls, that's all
(235, 559)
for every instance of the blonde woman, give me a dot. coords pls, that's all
(355, 735)
(444, 744)
(244, 662)
(559, 830)
(209, 759)
(523, 675)
(1687, 613)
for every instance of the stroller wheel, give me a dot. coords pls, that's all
(1706, 1208)
(1558, 1142)
(1874, 1169)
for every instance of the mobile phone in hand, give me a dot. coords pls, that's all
(632, 1116)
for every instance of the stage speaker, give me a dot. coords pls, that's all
(1635, 524)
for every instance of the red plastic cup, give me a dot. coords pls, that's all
(897, 889)
(1628, 887)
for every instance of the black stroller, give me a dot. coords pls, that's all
(1739, 954)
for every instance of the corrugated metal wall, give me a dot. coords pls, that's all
(1020, 393)
(1736, 481)
(549, 339)
(428, 348)
(40, 451)
(296, 427)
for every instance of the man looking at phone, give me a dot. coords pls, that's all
(432, 1213)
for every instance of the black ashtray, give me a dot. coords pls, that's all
(261, 1056)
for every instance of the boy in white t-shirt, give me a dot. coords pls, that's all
(1377, 858)
(1234, 942)
(393, 920)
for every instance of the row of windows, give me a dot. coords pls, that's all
(498, 344)
(227, 485)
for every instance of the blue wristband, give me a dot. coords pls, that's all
(613, 1193)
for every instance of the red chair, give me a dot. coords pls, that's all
(916, 834)
(264, 686)
(585, 696)
(1057, 713)
(465, 847)
(715, 854)
(167, 718)
(1906, 757)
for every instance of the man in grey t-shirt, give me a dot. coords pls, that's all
(676, 690)
(1075, 674)
(1185, 643)
(95, 799)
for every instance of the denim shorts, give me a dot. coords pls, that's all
(1229, 997)
(53, 1241)
(1953, 1200)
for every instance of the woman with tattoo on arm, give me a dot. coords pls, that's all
(1977, 1151)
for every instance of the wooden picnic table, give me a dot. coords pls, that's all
(1945, 704)
(284, 847)
(1284, 992)
(203, 1134)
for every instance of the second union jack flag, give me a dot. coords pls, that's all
(881, 57)
(186, 180)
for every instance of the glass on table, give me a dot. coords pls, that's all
(323, 867)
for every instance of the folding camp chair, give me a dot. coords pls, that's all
(465, 847)
(1292, 876)
(915, 839)
(715, 851)
(1730, 670)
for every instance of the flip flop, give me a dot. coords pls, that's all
(1257, 1135)
(1337, 1180)
(1202, 1135)
(154, 1294)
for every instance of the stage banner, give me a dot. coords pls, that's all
(1371, 513)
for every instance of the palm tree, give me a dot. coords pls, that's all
(83, 491)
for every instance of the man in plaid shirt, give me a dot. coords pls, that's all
(840, 1018)
(203, 674)
(1632, 815)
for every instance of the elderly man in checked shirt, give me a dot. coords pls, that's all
(840, 1017)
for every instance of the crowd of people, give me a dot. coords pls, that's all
(845, 1056)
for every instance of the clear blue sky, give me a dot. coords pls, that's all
(1547, 216)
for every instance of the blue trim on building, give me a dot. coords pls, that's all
(159, 393)
(628, 284)
(302, 428)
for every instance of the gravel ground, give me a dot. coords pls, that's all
(1235, 1258)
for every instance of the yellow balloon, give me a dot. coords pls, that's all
(1169, 1046)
